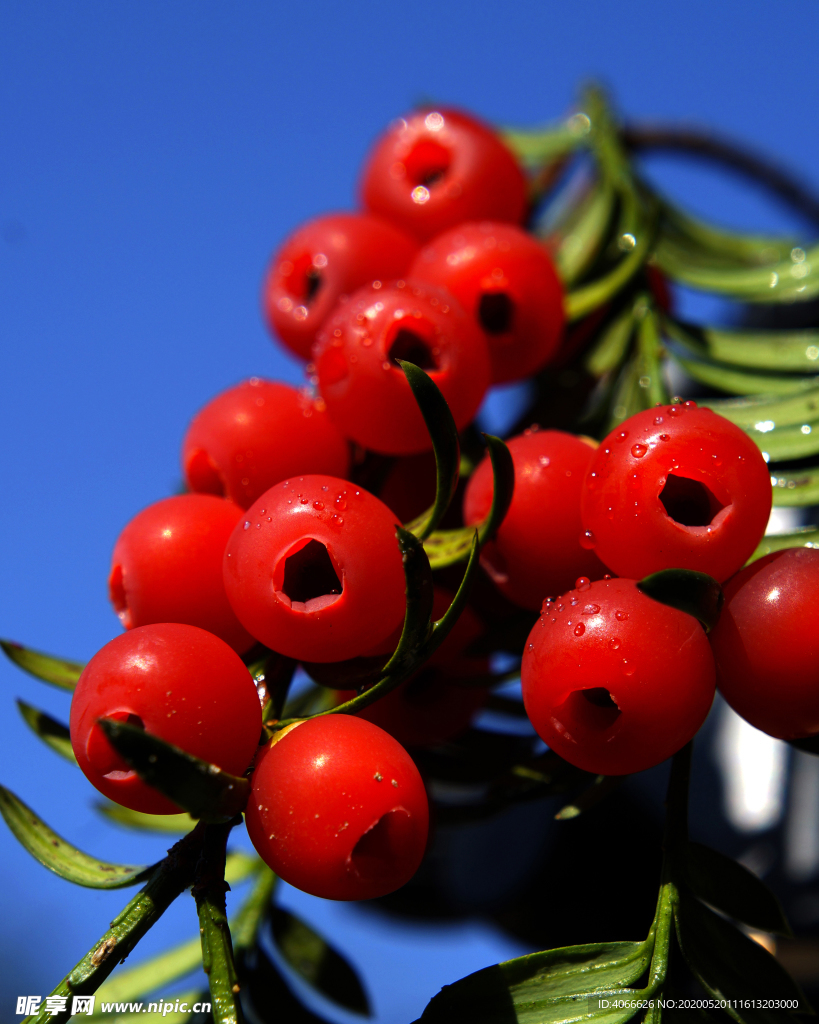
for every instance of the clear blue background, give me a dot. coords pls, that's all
(152, 156)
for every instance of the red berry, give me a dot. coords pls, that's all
(365, 390)
(536, 551)
(613, 681)
(179, 683)
(766, 643)
(676, 486)
(409, 486)
(505, 279)
(323, 260)
(313, 570)
(437, 168)
(338, 809)
(256, 434)
(167, 567)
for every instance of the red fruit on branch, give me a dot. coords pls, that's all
(177, 682)
(314, 571)
(613, 681)
(256, 434)
(437, 168)
(167, 567)
(766, 643)
(676, 487)
(536, 551)
(338, 809)
(324, 260)
(365, 389)
(505, 279)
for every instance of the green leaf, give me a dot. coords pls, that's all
(602, 786)
(804, 537)
(172, 824)
(733, 889)
(552, 987)
(151, 975)
(536, 146)
(795, 487)
(447, 547)
(240, 866)
(608, 352)
(245, 924)
(695, 593)
(57, 671)
(53, 733)
(792, 351)
(580, 246)
(419, 593)
(730, 966)
(317, 962)
(202, 789)
(444, 436)
(271, 999)
(732, 246)
(59, 856)
(740, 382)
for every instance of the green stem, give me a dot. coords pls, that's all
(217, 949)
(247, 921)
(173, 875)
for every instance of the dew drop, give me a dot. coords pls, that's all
(318, 505)
(608, 576)
(582, 583)
(663, 437)
(658, 420)
(621, 616)
(628, 668)
(530, 647)
(561, 606)
(587, 540)
(591, 609)
(674, 410)
(579, 629)
(544, 460)
(574, 601)
(638, 450)
(614, 643)
(247, 524)
(621, 435)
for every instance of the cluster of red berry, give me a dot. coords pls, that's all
(275, 544)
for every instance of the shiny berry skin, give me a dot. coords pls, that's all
(676, 487)
(613, 681)
(256, 434)
(536, 552)
(167, 567)
(365, 390)
(506, 280)
(323, 260)
(434, 169)
(766, 643)
(338, 809)
(179, 683)
(313, 570)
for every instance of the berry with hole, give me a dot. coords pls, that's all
(613, 681)
(434, 169)
(313, 570)
(256, 434)
(505, 279)
(676, 486)
(338, 809)
(167, 567)
(177, 682)
(323, 260)
(365, 389)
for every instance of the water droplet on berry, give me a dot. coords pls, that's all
(574, 601)
(610, 512)
(621, 435)
(621, 616)
(658, 420)
(628, 668)
(324, 487)
(341, 503)
(561, 606)
(608, 576)
(544, 460)
(530, 647)
(663, 437)
(247, 524)
(579, 629)
(591, 609)
(638, 450)
(587, 540)
(674, 410)
(690, 404)
(304, 501)
(582, 583)
(318, 505)
(614, 643)
(717, 460)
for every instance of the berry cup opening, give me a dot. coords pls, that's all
(381, 851)
(496, 312)
(305, 280)
(406, 344)
(102, 756)
(306, 578)
(689, 502)
(587, 712)
(427, 163)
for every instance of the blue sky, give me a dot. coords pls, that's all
(153, 155)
